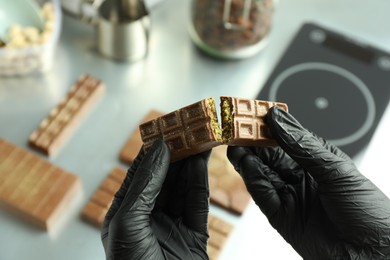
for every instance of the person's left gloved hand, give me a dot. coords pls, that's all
(161, 209)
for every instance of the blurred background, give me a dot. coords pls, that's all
(318, 56)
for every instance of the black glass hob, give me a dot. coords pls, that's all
(334, 85)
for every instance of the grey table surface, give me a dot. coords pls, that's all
(174, 74)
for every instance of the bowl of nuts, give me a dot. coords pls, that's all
(27, 49)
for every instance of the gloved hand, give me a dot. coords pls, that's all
(313, 195)
(161, 209)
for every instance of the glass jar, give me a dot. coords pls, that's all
(230, 28)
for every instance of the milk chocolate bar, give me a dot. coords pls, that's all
(34, 188)
(133, 145)
(64, 118)
(243, 121)
(187, 131)
(96, 209)
(195, 128)
(219, 231)
(227, 189)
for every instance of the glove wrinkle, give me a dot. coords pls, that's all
(120, 194)
(169, 236)
(299, 143)
(147, 182)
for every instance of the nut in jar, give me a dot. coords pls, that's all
(231, 28)
(28, 48)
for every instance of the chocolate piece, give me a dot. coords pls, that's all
(64, 118)
(94, 214)
(96, 209)
(34, 188)
(187, 131)
(133, 145)
(219, 231)
(243, 121)
(227, 189)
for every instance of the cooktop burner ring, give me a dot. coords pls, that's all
(321, 103)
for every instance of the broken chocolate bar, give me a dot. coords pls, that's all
(63, 119)
(194, 129)
(187, 131)
(34, 188)
(243, 121)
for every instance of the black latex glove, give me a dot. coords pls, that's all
(161, 209)
(313, 195)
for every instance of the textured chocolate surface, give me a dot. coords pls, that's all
(54, 130)
(247, 121)
(186, 131)
(34, 188)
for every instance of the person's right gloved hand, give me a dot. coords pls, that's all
(161, 210)
(313, 194)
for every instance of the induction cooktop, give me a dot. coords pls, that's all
(336, 86)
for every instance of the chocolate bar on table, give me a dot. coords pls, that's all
(95, 210)
(219, 232)
(64, 118)
(34, 188)
(187, 131)
(243, 121)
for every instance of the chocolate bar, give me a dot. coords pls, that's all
(133, 145)
(219, 231)
(34, 188)
(243, 121)
(187, 131)
(64, 118)
(96, 209)
(195, 128)
(227, 189)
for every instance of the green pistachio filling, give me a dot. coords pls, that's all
(214, 119)
(227, 120)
